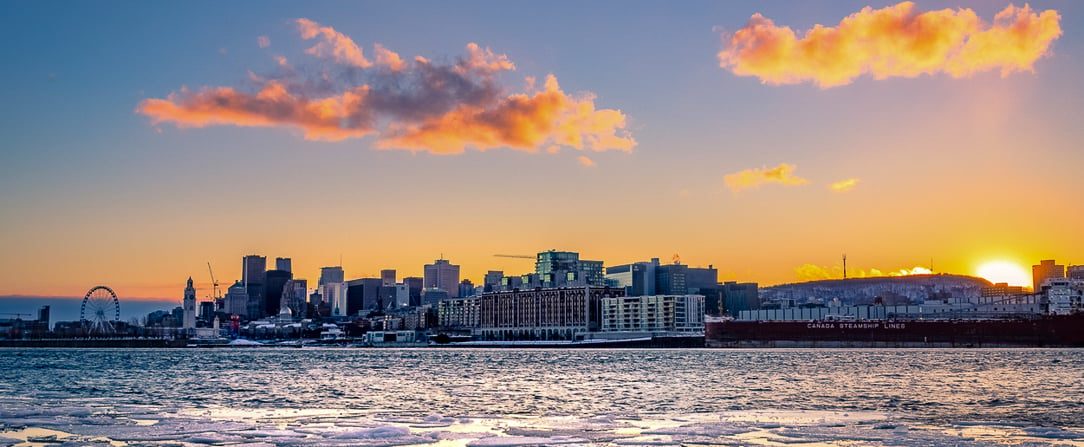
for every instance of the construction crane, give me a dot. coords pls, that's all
(214, 283)
(515, 256)
(17, 315)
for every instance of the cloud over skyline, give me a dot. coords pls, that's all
(844, 185)
(895, 41)
(813, 272)
(415, 104)
(752, 178)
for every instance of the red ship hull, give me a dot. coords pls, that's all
(1063, 331)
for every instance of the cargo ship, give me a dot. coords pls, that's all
(834, 332)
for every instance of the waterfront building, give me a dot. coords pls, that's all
(189, 306)
(542, 314)
(444, 275)
(458, 313)
(284, 264)
(1046, 269)
(653, 278)
(1064, 296)
(657, 313)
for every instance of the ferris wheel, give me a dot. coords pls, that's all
(100, 310)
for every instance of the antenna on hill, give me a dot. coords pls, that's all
(844, 266)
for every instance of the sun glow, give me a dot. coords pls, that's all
(1004, 271)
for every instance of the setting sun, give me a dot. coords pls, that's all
(1004, 271)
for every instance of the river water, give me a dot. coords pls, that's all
(508, 398)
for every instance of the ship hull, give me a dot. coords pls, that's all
(1059, 331)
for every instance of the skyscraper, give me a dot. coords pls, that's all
(276, 284)
(443, 275)
(387, 277)
(237, 300)
(283, 264)
(331, 275)
(254, 277)
(189, 305)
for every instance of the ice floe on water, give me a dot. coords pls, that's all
(140, 425)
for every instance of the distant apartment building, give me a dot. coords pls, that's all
(1074, 272)
(1001, 289)
(542, 314)
(1046, 269)
(459, 313)
(654, 313)
(444, 275)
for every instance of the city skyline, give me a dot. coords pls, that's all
(327, 134)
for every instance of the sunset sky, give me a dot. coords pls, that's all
(140, 140)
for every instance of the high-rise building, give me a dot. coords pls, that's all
(236, 301)
(492, 281)
(363, 295)
(334, 294)
(1046, 269)
(189, 306)
(333, 274)
(740, 296)
(671, 279)
(414, 287)
(294, 294)
(387, 277)
(284, 264)
(254, 276)
(466, 288)
(566, 269)
(206, 311)
(273, 296)
(443, 275)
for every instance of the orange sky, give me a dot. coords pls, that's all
(763, 139)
